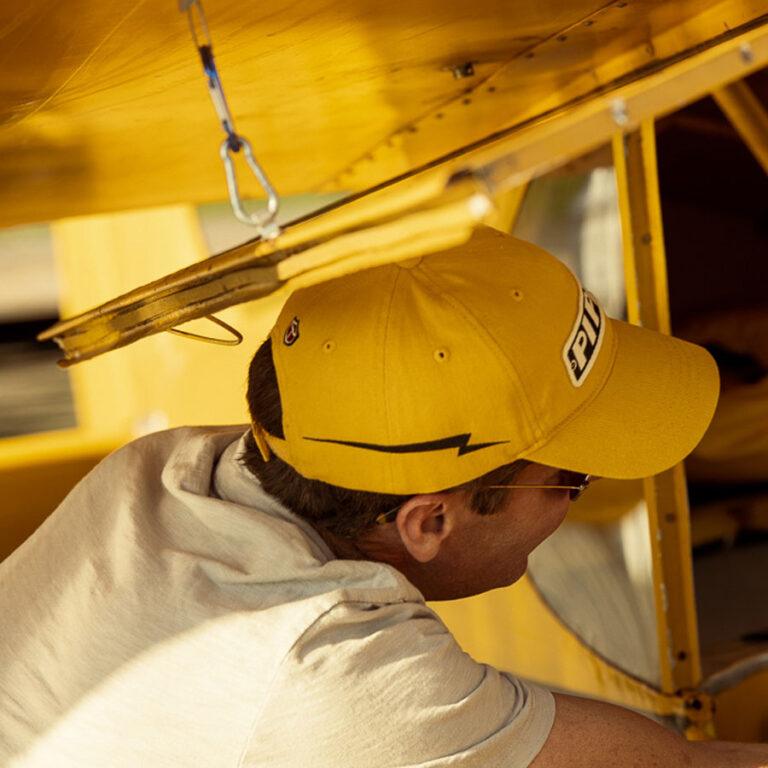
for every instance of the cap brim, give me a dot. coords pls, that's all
(653, 410)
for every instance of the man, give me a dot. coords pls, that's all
(210, 598)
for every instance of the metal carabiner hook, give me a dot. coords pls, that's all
(264, 220)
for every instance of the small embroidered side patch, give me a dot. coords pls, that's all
(291, 332)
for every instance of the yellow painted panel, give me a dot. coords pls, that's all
(742, 710)
(36, 473)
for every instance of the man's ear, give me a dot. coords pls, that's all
(424, 522)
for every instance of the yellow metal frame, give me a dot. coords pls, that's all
(748, 117)
(666, 497)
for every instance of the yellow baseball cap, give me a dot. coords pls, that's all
(422, 375)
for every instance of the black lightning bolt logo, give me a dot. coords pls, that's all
(456, 441)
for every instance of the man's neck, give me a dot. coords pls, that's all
(344, 549)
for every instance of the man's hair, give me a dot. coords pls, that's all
(344, 512)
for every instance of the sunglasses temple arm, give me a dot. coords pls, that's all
(555, 487)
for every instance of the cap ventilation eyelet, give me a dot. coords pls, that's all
(329, 346)
(517, 294)
(441, 355)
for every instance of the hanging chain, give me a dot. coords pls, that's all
(265, 221)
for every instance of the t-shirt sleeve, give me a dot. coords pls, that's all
(388, 685)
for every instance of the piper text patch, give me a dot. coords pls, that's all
(580, 351)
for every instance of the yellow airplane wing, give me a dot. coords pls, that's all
(103, 106)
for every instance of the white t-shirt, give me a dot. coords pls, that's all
(170, 613)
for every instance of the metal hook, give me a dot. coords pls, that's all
(264, 220)
(233, 342)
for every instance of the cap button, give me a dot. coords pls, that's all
(410, 263)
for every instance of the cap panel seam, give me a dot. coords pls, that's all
(535, 252)
(288, 309)
(386, 322)
(544, 436)
(433, 286)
